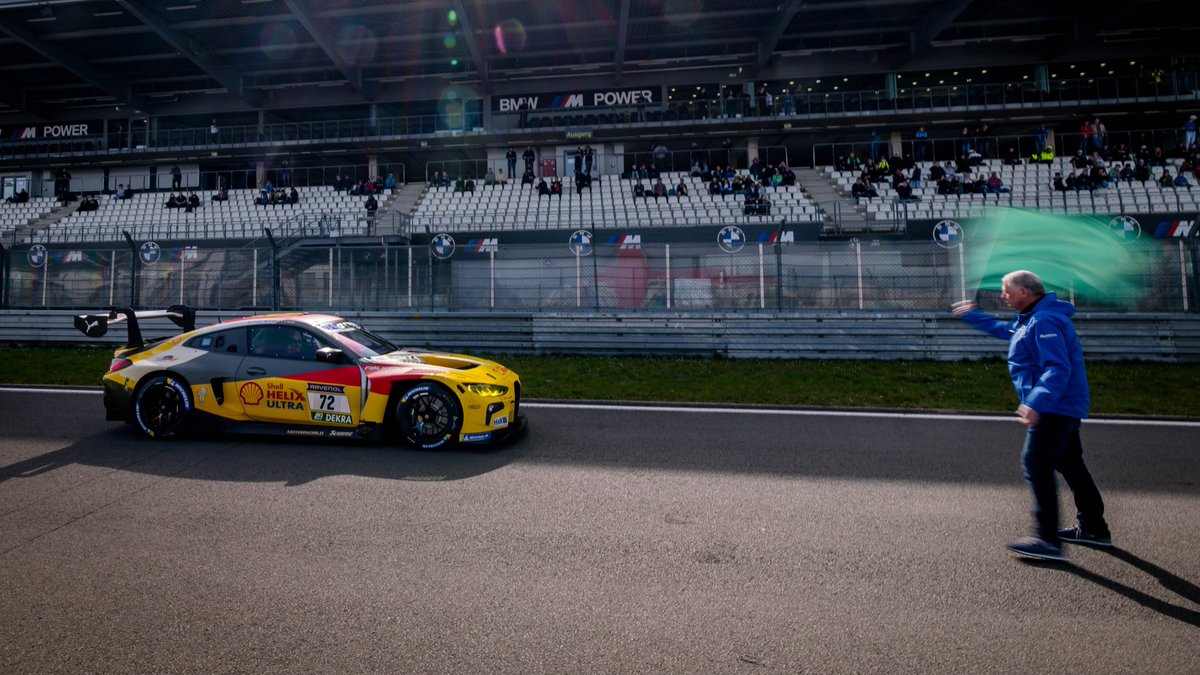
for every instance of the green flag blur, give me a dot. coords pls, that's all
(1088, 255)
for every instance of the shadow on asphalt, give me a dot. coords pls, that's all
(1169, 581)
(267, 460)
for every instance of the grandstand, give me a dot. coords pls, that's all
(145, 217)
(609, 202)
(1030, 187)
(17, 215)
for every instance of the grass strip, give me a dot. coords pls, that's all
(1126, 388)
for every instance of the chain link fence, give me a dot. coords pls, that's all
(619, 275)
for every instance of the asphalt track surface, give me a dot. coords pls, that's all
(606, 540)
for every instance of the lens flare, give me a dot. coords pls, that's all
(277, 41)
(449, 41)
(357, 45)
(510, 36)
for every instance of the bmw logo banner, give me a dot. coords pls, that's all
(581, 242)
(731, 239)
(1125, 228)
(442, 246)
(947, 234)
(150, 253)
(36, 255)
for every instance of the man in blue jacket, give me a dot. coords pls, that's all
(1045, 360)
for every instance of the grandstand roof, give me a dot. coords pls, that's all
(80, 59)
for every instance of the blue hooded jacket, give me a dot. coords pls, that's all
(1045, 358)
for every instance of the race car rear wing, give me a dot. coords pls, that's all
(96, 325)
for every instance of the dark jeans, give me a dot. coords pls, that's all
(1054, 445)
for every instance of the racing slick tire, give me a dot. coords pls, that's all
(429, 416)
(162, 407)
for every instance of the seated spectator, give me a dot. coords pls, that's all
(737, 185)
(962, 164)
(1165, 179)
(726, 188)
(974, 158)
(1099, 176)
(460, 185)
(469, 186)
(1181, 180)
(996, 186)
(862, 189)
(788, 176)
(193, 200)
(262, 200)
(1158, 158)
(86, 203)
(653, 174)
(1011, 158)
(556, 187)
(527, 177)
(1059, 183)
(170, 203)
(936, 173)
(390, 182)
(714, 186)
(660, 190)
(293, 196)
(489, 178)
(543, 189)
(903, 188)
(1079, 161)
(639, 190)
(23, 196)
(696, 170)
(220, 195)
(582, 180)
(1126, 173)
(1141, 172)
(681, 190)
(944, 187)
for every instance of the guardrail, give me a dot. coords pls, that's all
(761, 335)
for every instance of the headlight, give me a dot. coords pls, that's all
(488, 390)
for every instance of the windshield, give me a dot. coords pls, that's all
(358, 340)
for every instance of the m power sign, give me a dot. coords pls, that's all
(51, 130)
(599, 98)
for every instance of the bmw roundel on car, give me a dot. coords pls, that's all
(301, 375)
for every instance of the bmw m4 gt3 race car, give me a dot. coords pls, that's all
(301, 375)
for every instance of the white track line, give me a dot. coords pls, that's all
(617, 407)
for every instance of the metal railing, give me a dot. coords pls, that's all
(278, 176)
(848, 275)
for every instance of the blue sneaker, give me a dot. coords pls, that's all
(1032, 547)
(1077, 535)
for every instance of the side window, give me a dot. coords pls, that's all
(226, 342)
(285, 342)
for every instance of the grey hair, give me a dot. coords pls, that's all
(1024, 279)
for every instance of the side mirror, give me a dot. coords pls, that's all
(330, 355)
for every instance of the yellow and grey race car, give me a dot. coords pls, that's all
(301, 375)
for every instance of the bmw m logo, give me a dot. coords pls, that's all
(731, 239)
(442, 246)
(580, 242)
(150, 253)
(947, 234)
(1125, 228)
(36, 255)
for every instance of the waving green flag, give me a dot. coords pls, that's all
(1105, 262)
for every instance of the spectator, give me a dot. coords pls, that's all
(176, 177)
(681, 190)
(263, 199)
(639, 190)
(193, 200)
(861, 189)
(1142, 172)
(390, 183)
(543, 189)
(371, 206)
(170, 203)
(1011, 158)
(511, 156)
(582, 180)
(489, 178)
(902, 187)
(23, 196)
(1086, 131)
(1060, 185)
(87, 203)
(221, 195)
(1165, 179)
(527, 177)
(660, 190)
(1181, 180)
(589, 158)
(873, 145)
(1189, 133)
(556, 187)
(964, 141)
(1126, 174)
(915, 179)
(293, 196)
(1041, 137)
(460, 185)
(1099, 176)
(714, 186)
(920, 144)
(995, 185)
(727, 146)
(937, 172)
(697, 170)
(1043, 156)
(213, 132)
(983, 139)
(529, 156)
(285, 173)
(1099, 134)
(660, 153)
(469, 186)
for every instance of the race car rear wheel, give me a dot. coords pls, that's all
(429, 416)
(162, 406)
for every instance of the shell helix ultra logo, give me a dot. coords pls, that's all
(250, 393)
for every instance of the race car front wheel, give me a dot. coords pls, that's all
(162, 406)
(429, 416)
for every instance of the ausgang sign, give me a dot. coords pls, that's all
(598, 98)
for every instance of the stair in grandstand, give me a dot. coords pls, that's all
(841, 214)
(45, 220)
